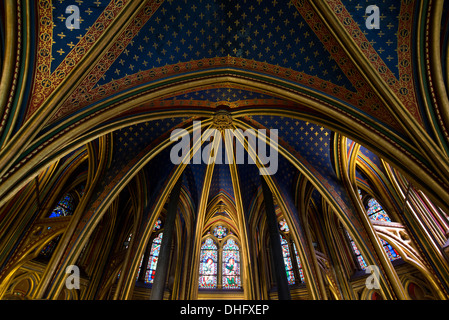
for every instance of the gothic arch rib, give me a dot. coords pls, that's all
(403, 158)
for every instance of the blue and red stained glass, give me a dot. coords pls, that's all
(301, 273)
(391, 252)
(64, 208)
(357, 253)
(376, 212)
(283, 226)
(287, 261)
(362, 262)
(231, 265)
(208, 265)
(152, 260)
(220, 232)
(157, 225)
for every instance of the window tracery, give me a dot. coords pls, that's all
(220, 260)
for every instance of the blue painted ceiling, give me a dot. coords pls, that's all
(263, 30)
(270, 31)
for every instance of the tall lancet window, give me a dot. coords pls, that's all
(208, 265)
(287, 261)
(152, 260)
(231, 265)
(288, 250)
(377, 213)
(301, 273)
(357, 253)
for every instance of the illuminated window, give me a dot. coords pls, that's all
(287, 261)
(357, 253)
(157, 225)
(391, 252)
(283, 226)
(286, 252)
(301, 274)
(377, 213)
(208, 265)
(220, 232)
(64, 208)
(152, 260)
(231, 265)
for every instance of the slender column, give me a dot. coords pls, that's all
(160, 277)
(276, 249)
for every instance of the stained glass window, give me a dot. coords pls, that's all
(301, 273)
(231, 265)
(357, 253)
(376, 212)
(391, 252)
(283, 226)
(208, 265)
(140, 267)
(220, 232)
(287, 261)
(64, 208)
(157, 225)
(152, 260)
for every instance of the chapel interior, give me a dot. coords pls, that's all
(349, 99)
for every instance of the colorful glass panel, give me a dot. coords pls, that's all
(157, 225)
(220, 232)
(231, 265)
(208, 265)
(152, 260)
(283, 226)
(287, 261)
(357, 253)
(64, 208)
(391, 252)
(140, 267)
(362, 262)
(376, 212)
(301, 273)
